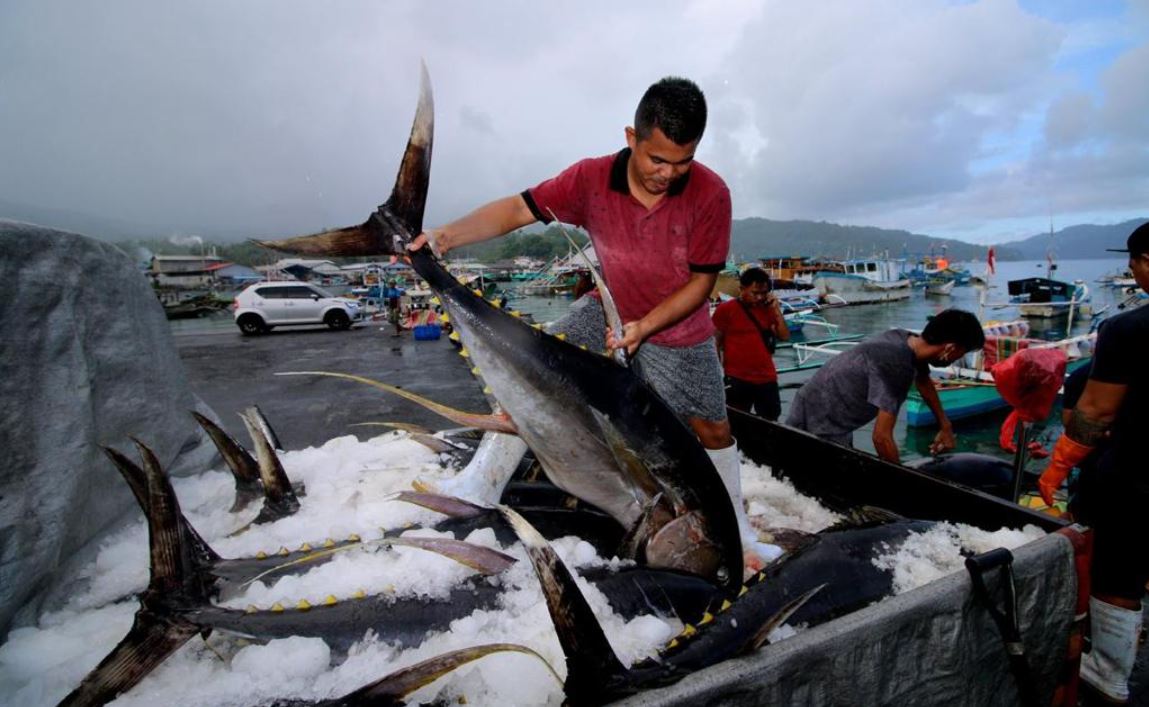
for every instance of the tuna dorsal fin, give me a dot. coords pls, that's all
(493, 423)
(864, 517)
(449, 506)
(393, 689)
(243, 467)
(593, 669)
(780, 617)
(482, 559)
(280, 499)
(609, 308)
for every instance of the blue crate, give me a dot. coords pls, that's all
(428, 332)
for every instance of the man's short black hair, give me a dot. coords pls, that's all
(955, 326)
(753, 276)
(675, 106)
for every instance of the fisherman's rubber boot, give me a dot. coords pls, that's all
(756, 554)
(482, 481)
(1115, 631)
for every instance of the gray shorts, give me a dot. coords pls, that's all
(688, 378)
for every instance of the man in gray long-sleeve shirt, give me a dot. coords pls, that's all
(872, 380)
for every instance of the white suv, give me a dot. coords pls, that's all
(270, 304)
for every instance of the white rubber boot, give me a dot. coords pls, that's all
(482, 481)
(1107, 666)
(729, 465)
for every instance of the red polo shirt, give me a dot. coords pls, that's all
(645, 255)
(745, 355)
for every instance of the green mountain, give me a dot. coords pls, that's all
(759, 237)
(1080, 242)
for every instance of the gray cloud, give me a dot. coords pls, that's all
(270, 117)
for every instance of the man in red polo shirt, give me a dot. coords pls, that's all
(744, 326)
(660, 224)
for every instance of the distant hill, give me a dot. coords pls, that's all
(759, 237)
(1080, 242)
(106, 228)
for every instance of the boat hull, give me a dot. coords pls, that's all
(964, 401)
(859, 290)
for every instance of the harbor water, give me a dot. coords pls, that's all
(974, 435)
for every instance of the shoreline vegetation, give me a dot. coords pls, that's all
(750, 238)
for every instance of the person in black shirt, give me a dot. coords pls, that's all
(1109, 417)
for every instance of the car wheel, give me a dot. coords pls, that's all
(251, 325)
(338, 320)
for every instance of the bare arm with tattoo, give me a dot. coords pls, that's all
(1095, 412)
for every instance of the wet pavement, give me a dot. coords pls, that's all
(231, 372)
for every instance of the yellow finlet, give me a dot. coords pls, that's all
(486, 390)
(251, 608)
(359, 594)
(707, 617)
(434, 300)
(303, 605)
(330, 600)
(284, 551)
(305, 547)
(453, 336)
(444, 318)
(561, 337)
(673, 644)
(277, 607)
(743, 590)
(688, 631)
(477, 293)
(464, 352)
(328, 543)
(353, 538)
(515, 313)
(725, 605)
(475, 371)
(261, 555)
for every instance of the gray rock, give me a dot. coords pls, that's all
(88, 360)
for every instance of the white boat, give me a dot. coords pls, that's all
(863, 281)
(942, 288)
(1044, 298)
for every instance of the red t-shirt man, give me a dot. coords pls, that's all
(743, 327)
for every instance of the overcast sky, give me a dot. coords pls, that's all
(971, 120)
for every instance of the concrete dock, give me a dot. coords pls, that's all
(231, 372)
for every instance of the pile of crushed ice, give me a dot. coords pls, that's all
(347, 484)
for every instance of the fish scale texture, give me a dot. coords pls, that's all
(87, 361)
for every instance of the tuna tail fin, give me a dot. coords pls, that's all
(594, 672)
(243, 467)
(203, 556)
(394, 224)
(280, 499)
(394, 689)
(158, 629)
(150, 641)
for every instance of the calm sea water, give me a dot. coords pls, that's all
(980, 434)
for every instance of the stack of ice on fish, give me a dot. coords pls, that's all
(347, 483)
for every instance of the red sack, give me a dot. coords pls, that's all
(1029, 381)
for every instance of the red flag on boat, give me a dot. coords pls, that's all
(991, 262)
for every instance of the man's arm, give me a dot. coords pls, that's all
(720, 342)
(489, 221)
(1087, 427)
(669, 311)
(1095, 412)
(778, 323)
(883, 437)
(944, 440)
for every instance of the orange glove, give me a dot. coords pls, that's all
(1067, 454)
